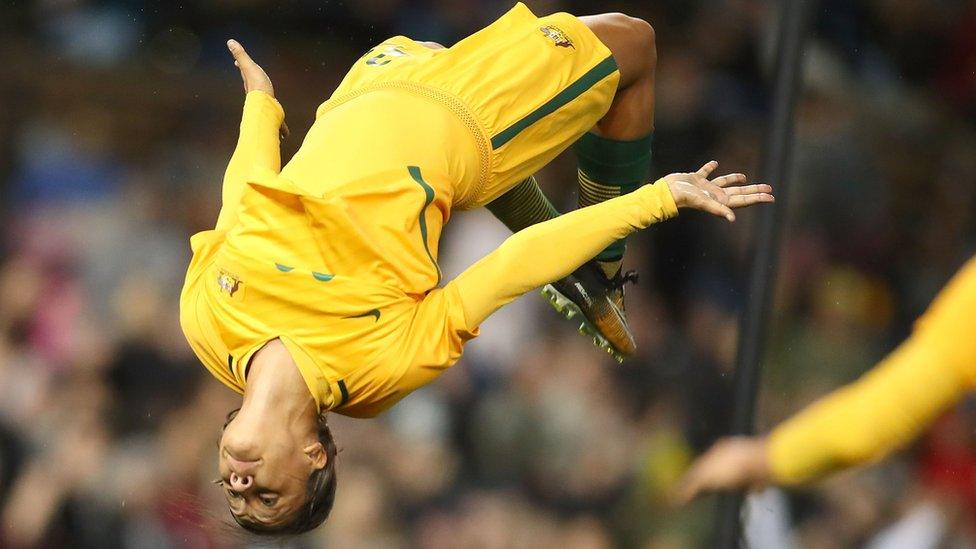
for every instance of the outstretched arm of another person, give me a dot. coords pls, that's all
(258, 145)
(551, 250)
(888, 407)
(866, 420)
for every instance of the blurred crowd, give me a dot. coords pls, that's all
(116, 123)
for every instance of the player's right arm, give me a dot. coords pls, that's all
(866, 420)
(258, 145)
(551, 250)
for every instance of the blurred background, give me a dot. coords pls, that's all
(117, 120)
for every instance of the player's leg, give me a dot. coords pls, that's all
(615, 155)
(522, 206)
(536, 85)
(614, 158)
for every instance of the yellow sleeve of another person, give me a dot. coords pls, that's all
(889, 405)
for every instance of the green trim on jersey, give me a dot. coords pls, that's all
(429, 194)
(603, 69)
(322, 277)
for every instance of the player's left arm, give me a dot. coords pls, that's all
(262, 128)
(551, 250)
(866, 420)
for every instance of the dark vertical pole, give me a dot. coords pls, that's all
(776, 160)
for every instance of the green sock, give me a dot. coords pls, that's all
(609, 168)
(523, 205)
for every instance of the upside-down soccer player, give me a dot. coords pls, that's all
(318, 290)
(865, 421)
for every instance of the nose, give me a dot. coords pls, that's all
(240, 483)
(240, 466)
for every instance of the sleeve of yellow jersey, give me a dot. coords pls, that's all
(257, 147)
(537, 255)
(549, 251)
(889, 405)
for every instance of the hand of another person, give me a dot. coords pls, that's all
(731, 464)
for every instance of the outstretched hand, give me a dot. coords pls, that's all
(717, 196)
(254, 77)
(731, 464)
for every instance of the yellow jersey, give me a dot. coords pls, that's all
(336, 253)
(348, 281)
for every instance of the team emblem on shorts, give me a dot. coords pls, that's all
(559, 37)
(228, 283)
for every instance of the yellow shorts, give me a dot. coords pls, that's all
(524, 89)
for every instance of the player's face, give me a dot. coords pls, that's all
(264, 472)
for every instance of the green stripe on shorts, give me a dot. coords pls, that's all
(604, 69)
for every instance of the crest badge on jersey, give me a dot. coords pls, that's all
(228, 282)
(558, 37)
(383, 57)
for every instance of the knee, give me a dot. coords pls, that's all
(632, 42)
(640, 37)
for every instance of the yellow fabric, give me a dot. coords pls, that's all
(888, 406)
(549, 251)
(492, 80)
(257, 148)
(337, 254)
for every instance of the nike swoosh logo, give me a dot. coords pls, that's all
(375, 313)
